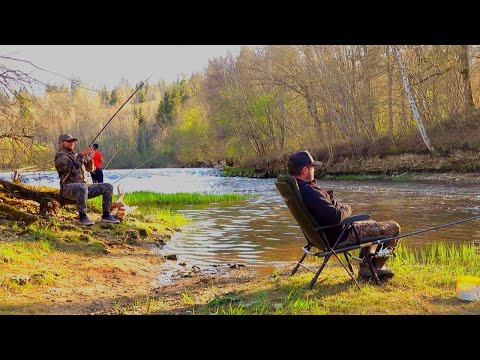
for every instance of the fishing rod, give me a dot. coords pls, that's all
(138, 88)
(136, 168)
(112, 158)
(381, 241)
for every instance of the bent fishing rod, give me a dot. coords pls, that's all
(138, 88)
(381, 241)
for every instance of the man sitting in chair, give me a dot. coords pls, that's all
(327, 211)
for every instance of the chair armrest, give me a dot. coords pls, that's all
(354, 218)
(349, 220)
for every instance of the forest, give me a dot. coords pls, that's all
(334, 100)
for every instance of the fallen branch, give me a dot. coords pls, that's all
(11, 213)
(50, 201)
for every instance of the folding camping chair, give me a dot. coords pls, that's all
(315, 235)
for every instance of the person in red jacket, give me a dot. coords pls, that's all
(328, 211)
(97, 174)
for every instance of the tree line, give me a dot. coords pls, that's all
(335, 100)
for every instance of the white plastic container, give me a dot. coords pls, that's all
(468, 288)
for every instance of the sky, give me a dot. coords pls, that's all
(99, 65)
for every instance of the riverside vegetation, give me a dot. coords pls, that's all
(55, 267)
(376, 110)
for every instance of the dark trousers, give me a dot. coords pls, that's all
(97, 175)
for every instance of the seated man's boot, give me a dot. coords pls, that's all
(379, 264)
(365, 273)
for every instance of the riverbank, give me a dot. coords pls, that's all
(458, 166)
(57, 267)
(122, 277)
(423, 284)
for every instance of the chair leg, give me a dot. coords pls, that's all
(314, 280)
(352, 275)
(348, 262)
(299, 262)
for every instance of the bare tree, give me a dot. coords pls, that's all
(17, 124)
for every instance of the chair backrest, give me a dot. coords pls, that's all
(288, 187)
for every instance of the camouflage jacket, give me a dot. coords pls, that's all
(72, 167)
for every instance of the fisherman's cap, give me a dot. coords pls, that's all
(66, 137)
(300, 159)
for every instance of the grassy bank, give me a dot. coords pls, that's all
(424, 283)
(253, 173)
(147, 199)
(57, 266)
(228, 171)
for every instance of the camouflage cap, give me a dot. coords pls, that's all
(66, 137)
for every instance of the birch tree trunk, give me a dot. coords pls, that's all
(465, 71)
(411, 100)
(389, 90)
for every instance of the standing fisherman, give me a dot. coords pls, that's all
(97, 173)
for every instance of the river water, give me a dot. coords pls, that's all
(261, 230)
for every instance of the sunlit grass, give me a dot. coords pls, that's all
(462, 256)
(21, 265)
(232, 172)
(147, 198)
(24, 251)
(424, 283)
(164, 216)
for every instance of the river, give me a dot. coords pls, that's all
(261, 230)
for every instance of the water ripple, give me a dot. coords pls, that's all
(262, 230)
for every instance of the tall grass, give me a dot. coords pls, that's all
(147, 198)
(241, 172)
(165, 216)
(151, 198)
(424, 283)
(440, 254)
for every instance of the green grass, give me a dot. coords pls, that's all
(424, 283)
(165, 217)
(232, 172)
(157, 206)
(22, 260)
(146, 198)
(24, 251)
